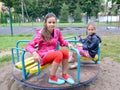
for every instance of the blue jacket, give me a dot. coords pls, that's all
(91, 43)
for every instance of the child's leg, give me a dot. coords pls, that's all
(65, 66)
(71, 59)
(75, 56)
(74, 65)
(83, 52)
(54, 57)
(65, 54)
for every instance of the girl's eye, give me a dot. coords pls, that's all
(51, 22)
(90, 29)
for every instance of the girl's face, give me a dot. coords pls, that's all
(91, 29)
(51, 23)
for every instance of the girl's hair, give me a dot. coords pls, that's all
(91, 23)
(45, 32)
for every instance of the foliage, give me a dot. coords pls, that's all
(77, 14)
(64, 13)
(7, 2)
(92, 7)
(117, 1)
(39, 8)
(3, 17)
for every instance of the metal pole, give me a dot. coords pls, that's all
(86, 14)
(10, 20)
(22, 10)
(119, 17)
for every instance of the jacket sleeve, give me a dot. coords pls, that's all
(62, 41)
(31, 45)
(89, 44)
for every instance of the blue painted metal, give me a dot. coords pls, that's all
(58, 46)
(38, 68)
(74, 39)
(13, 59)
(17, 49)
(17, 46)
(78, 68)
(98, 53)
(91, 79)
(25, 74)
(23, 66)
(70, 37)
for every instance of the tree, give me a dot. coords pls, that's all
(117, 1)
(35, 8)
(64, 12)
(77, 14)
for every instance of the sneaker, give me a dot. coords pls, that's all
(71, 59)
(59, 81)
(74, 66)
(68, 79)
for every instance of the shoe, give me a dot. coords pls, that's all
(68, 79)
(59, 81)
(71, 59)
(74, 66)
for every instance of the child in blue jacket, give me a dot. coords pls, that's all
(89, 46)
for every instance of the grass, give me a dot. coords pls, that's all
(109, 46)
(58, 24)
(41, 24)
(5, 58)
(7, 41)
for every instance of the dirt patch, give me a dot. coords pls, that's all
(3, 53)
(108, 78)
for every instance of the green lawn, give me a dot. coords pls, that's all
(7, 41)
(110, 46)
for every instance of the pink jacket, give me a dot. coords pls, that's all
(45, 46)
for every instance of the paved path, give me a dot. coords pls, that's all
(70, 29)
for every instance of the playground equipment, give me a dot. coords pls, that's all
(31, 74)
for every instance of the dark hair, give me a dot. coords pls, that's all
(45, 33)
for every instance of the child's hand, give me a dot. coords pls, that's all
(79, 44)
(70, 45)
(79, 37)
(36, 57)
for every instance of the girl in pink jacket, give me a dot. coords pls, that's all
(47, 39)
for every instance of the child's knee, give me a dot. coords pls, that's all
(65, 53)
(59, 57)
